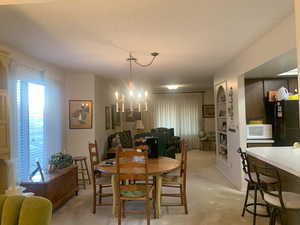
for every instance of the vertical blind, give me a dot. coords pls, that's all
(36, 104)
(181, 112)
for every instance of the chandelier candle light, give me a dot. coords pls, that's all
(139, 97)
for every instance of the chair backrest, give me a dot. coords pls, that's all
(184, 151)
(272, 189)
(245, 164)
(94, 154)
(132, 165)
(94, 158)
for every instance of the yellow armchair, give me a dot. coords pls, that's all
(20, 210)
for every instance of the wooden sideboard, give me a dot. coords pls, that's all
(58, 187)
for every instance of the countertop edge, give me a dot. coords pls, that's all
(273, 163)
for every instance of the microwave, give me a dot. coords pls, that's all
(259, 131)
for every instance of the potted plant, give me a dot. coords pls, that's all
(59, 161)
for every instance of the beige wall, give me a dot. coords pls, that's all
(277, 41)
(79, 86)
(103, 97)
(297, 18)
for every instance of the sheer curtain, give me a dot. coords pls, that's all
(181, 112)
(24, 152)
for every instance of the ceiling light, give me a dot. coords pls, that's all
(293, 72)
(172, 87)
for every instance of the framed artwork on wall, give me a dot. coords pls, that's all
(107, 118)
(80, 114)
(116, 117)
(208, 111)
(132, 116)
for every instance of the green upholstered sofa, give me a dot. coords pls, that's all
(168, 144)
(20, 210)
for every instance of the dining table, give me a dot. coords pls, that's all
(156, 168)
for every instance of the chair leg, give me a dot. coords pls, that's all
(275, 216)
(87, 171)
(123, 209)
(94, 199)
(100, 194)
(82, 174)
(255, 205)
(271, 217)
(246, 200)
(148, 211)
(120, 212)
(280, 217)
(181, 195)
(185, 200)
(154, 203)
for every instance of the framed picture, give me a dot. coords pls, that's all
(208, 111)
(80, 114)
(116, 117)
(132, 116)
(107, 118)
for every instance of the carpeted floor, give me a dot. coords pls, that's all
(211, 198)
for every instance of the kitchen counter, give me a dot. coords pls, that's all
(287, 160)
(284, 158)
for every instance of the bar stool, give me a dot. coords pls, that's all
(83, 171)
(252, 184)
(278, 200)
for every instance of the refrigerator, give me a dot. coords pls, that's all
(284, 116)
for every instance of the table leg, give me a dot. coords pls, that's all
(114, 190)
(158, 194)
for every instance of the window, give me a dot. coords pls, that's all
(31, 127)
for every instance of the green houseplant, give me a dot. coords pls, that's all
(59, 161)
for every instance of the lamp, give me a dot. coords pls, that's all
(134, 96)
(139, 125)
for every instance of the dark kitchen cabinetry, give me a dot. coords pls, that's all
(256, 91)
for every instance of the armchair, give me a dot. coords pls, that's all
(20, 210)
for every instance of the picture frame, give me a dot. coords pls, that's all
(208, 111)
(80, 114)
(107, 118)
(132, 116)
(116, 117)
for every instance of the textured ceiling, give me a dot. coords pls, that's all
(194, 37)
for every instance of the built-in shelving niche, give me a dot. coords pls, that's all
(221, 121)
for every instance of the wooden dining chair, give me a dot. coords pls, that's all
(171, 180)
(127, 162)
(100, 181)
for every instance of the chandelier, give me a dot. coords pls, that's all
(135, 98)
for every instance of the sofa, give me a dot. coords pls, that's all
(125, 139)
(20, 210)
(168, 144)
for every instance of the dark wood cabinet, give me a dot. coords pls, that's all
(256, 92)
(57, 187)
